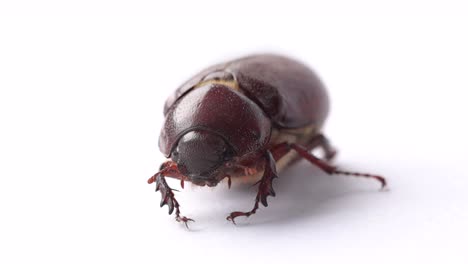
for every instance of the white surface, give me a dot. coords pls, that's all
(82, 90)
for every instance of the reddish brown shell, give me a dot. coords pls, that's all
(189, 84)
(290, 93)
(221, 110)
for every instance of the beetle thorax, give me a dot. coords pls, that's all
(222, 111)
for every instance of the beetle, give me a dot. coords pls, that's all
(247, 118)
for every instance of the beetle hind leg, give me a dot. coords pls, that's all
(332, 170)
(320, 141)
(265, 188)
(329, 150)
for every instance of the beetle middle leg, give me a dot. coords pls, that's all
(167, 193)
(275, 153)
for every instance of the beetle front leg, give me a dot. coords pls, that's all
(167, 198)
(265, 188)
(167, 194)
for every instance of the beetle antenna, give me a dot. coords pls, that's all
(163, 169)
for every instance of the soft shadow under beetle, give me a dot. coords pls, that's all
(249, 118)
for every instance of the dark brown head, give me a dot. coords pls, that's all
(199, 155)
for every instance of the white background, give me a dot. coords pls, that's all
(82, 90)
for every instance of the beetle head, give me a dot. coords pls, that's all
(199, 155)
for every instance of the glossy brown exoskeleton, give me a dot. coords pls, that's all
(246, 118)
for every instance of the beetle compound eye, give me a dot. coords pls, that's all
(228, 154)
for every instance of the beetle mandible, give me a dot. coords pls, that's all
(246, 118)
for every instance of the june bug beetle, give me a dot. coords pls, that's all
(246, 118)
